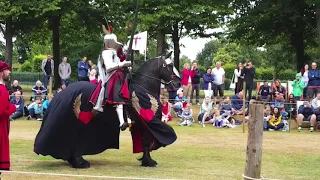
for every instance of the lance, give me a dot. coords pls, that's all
(130, 51)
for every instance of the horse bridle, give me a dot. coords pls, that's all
(160, 80)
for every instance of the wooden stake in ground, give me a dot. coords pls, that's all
(50, 86)
(244, 107)
(254, 145)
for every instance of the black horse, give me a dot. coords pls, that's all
(63, 135)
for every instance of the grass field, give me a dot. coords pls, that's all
(198, 153)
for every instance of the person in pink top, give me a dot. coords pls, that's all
(186, 82)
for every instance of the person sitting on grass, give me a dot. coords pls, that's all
(15, 87)
(265, 92)
(205, 112)
(278, 89)
(38, 91)
(166, 110)
(46, 103)
(179, 104)
(291, 106)
(298, 85)
(35, 109)
(237, 103)
(19, 103)
(306, 113)
(218, 120)
(186, 116)
(275, 122)
(267, 116)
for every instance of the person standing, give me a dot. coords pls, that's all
(83, 70)
(47, 69)
(219, 77)
(238, 78)
(186, 80)
(64, 71)
(249, 73)
(195, 83)
(305, 78)
(314, 81)
(6, 109)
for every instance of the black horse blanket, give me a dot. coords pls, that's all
(67, 133)
(70, 129)
(147, 113)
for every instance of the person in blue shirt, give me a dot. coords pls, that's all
(83, 68)
(19, 103)
(237, 102)
(179, 104)
(306, 113)
(46, 103)
(35, 110)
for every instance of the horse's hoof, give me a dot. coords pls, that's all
(149, 163)
(79, 163)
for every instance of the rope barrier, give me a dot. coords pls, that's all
(261, 178)
(83, 176)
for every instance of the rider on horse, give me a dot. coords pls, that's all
(112, 88)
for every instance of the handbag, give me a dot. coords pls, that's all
(232, 84)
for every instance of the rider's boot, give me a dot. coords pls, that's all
(123, 124)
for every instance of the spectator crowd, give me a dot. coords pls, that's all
(215, 108)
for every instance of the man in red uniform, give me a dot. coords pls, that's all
(6, 109)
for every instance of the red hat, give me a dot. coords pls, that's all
(4, 66)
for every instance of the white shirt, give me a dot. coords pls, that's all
(305, 77)
(92, 74)
(189, 80)
(237, 74)
(218, 75)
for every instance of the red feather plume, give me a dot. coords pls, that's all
(110, 29)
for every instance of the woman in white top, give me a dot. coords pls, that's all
(93, 74)
(238, 78)
(205, 112)
(304, 73)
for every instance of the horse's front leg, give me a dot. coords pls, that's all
(146, 159)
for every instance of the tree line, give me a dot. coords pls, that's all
(288, 30)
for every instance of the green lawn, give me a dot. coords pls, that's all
(198, 153)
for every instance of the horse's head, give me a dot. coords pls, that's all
(169, 75)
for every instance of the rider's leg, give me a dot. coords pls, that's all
(119, 109)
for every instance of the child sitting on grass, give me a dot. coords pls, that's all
(166, 110)
(275, 123)
(179, 103)
(35, 109)
(218, 121)
(186, 116)
(267, 116)
(205, 112)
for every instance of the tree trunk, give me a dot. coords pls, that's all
(161, 40)
(56, 48)
(9, 44)
(298, 44)
(318, 21)
(176, 45)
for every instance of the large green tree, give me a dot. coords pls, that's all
(262, 22)
(180, 18)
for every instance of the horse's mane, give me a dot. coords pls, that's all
(142, 67)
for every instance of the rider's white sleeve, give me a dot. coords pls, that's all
(108, 61)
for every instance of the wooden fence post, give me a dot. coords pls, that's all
(244, 107)
(50, 86)
(254, 145)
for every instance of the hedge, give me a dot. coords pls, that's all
(26, 78)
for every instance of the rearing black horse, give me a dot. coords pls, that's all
(64, 135)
